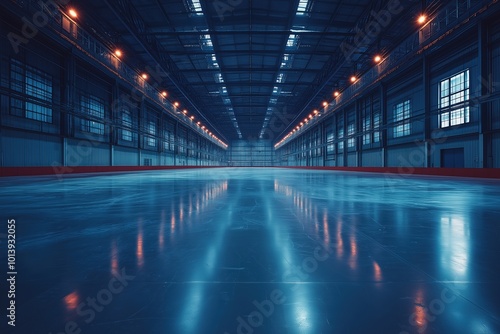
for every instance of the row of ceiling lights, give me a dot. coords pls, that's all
(164, 94)
(353, 79)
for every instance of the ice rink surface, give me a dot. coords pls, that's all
(253, 251)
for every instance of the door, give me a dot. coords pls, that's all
(453, 158)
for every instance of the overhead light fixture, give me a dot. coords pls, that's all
(73, 13)
(316, 112)
(336, 93)
(192, 118)
(144, 76)
(353, 79)
(185, 111)
(377, 59)
(176, 104)
(422, 19)
(164, 94)
(118, 53)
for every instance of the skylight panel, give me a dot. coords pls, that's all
(301, 10)
(207, 41)
(287, 59)
(219, 78)
(214, 61)
(292, 41)
(195, 7)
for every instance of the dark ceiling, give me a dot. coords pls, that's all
(235, 65)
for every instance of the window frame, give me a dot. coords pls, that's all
(37, 90)
(453, 105)
(94, 121)
(402, 117)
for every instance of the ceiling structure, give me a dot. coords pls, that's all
(251, 69)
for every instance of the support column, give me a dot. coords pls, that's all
(345, 151)
(115, 119)
(176, 142)
(427, 111)
(358, 129)
(484, 125)
(141, 113)
(383, 123)
(69, 98)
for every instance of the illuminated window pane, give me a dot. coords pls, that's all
(454, 92)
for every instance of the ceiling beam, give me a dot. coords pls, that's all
(248, 32)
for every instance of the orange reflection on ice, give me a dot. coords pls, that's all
(419, 317)
(326, 230)
(172, 227)
(161, 237)
(181, 211)
(340, 241)
(114, 258)
(377, 272)
(71, 301)
(354, 253)
(190, 208)
(140, 251)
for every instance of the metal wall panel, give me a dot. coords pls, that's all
(410, 155)
(340, 161)
(125, 156)
(496, 150)
(26, 149)
(149, 158)
(352, 160)
(87, 153)
(330, 163)
(469, 144)
(251, 153)
(372, 158)
(495, 80)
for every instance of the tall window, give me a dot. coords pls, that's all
(376, 126)
(151, 130)
(166, 140)
(351, 130)
(367, 126)
(402, 114)
(340, 132)
(93, 108)
(182, 145)
(127, 124)
(454, 92)
(330, 140)
(172, 141)
(37, 86)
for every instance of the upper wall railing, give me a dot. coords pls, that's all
(68, 28)
(449, 16)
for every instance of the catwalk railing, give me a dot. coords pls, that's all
(448, 17)
(71, 31)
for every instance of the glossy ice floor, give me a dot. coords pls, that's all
(254, 251)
